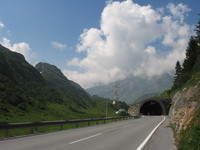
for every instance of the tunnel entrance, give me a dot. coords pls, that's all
(151, 107)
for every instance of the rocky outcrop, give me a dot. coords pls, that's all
(184, 105)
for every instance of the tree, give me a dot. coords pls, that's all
(191, 63)
(178, 69)
(198, 33)
(178, 73)
(191, 56)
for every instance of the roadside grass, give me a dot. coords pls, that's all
(56, 112)
(51, 128)
(53, 112)
(190, 138)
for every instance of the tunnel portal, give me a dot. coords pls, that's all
(151, 107)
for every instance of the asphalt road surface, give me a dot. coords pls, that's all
(162, 139)
(123, 135)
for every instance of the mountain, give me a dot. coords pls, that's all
(132, 88)
(43, 93)
(18, 80)
(55, 78)
(14, 67)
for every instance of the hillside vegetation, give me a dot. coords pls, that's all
(185, 95)
(43, 93)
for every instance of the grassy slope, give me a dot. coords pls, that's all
(55, 111)
(24, 95)
(190, 138)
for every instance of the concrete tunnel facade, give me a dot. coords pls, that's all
(151, 107)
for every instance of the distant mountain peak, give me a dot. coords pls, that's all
(132, 88)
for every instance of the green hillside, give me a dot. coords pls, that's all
(28, 95)
(68, 90)
(187, 76)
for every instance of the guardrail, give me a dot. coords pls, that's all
(6, 127)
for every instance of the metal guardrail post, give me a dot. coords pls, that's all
(35, 129)
(32, 130)
(6, 132)
(61, 127)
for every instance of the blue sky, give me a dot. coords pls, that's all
(54, 31)
(38, 23)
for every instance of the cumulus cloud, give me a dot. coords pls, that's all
(60, 46)
(178, 11)
(131, 40)
(22, 48)
(1, 25)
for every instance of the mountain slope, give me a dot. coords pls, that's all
(185, 94)
(14, 67)
(18, 80)
(132, 88)
(28, 95)
(54, 77)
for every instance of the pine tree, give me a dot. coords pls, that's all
(178, 69)
(191, 56)
(191, 63)
(178, 73)
(197, 37)
(198, 33)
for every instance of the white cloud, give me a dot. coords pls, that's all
(1, 25)
(60, 46)
(150, 50)
(22, 48)
(178, 11)
(130, 42)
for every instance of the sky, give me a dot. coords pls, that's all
(96, 42)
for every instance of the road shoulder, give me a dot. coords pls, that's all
(162, 139)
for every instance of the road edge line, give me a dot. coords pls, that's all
(149, 136)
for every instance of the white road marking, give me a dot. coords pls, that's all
(125, 126)
(149, 136)
(89, 137)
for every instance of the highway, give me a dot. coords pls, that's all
(123, 135)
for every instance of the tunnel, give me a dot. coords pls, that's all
(152, 107)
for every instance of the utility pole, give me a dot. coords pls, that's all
(116, 92)
(106, 108)
(114, 97)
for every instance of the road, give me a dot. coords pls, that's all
(123, 135)
(162, 139)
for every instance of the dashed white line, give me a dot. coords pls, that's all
(89, 137)
(149, 136)
(125, 126)
(139, 148)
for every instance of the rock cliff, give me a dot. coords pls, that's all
(184, 105)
